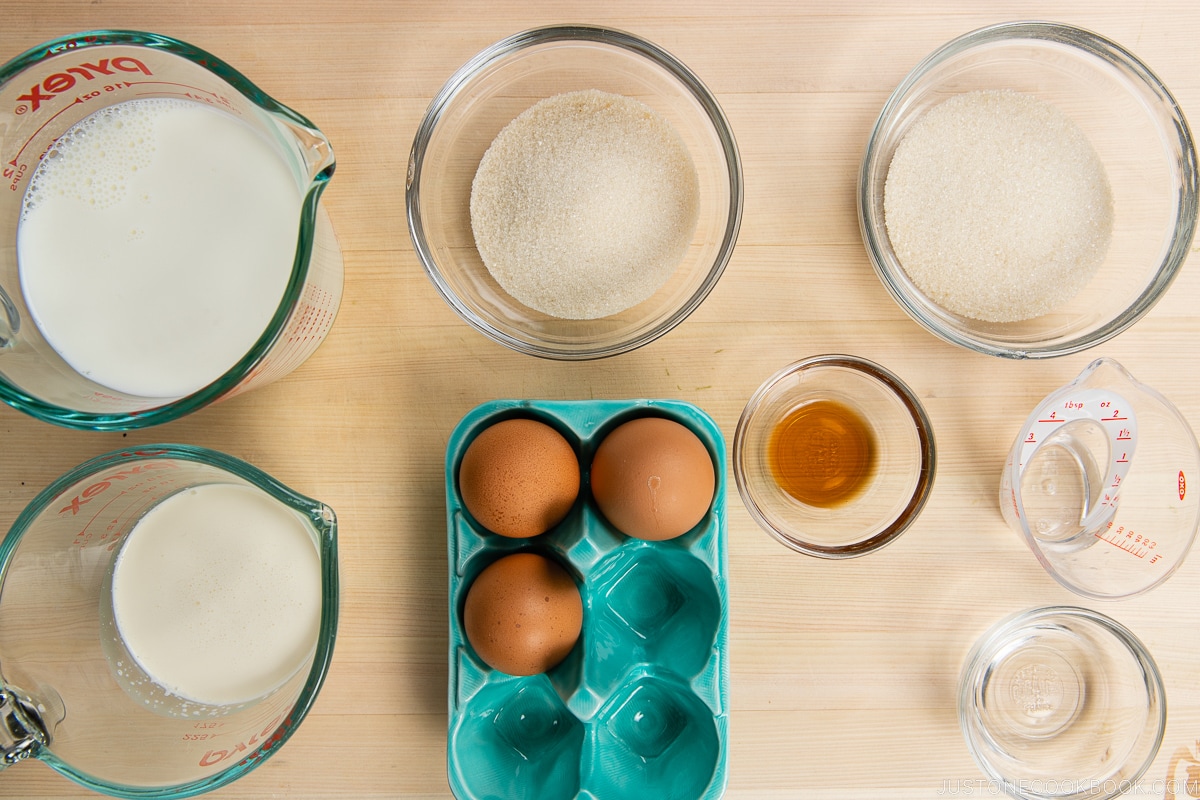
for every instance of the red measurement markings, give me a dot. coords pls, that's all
(1125, 545)
(189, 92)
(1135, 544)
(150, 496)
(42, 127)
(84, 537)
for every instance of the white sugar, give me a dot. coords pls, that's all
(584, 205)
(997, 206)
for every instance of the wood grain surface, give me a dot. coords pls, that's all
(842, 675)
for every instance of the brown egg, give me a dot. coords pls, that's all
(519, 478)
(523, 614)
(653, 478)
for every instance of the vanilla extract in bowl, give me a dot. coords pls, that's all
(822, 453)
(834, 456)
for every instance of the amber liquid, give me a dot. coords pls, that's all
(822, 453)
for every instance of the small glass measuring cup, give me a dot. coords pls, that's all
(47, 90)
(70, 696)
(1097, 481)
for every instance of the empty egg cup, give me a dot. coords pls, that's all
(1061, 702)
(894, 492)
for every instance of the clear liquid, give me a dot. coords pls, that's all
(1062, 483)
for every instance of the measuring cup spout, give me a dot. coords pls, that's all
(314, 149)
(1108, 373)
(22, 733)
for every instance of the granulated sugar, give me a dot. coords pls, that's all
(584, 205)
(997, 206)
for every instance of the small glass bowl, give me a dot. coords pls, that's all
(485, 95)
(1136, 128)
(1062, 702)
(893, 493)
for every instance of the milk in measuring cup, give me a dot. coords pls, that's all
(156, 239)
(216, 593)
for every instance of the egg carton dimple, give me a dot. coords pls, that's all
(639, 707)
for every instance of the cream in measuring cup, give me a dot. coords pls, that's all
(167, 617)
(216, 595)
(162, 242)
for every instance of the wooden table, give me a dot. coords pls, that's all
(842, 675)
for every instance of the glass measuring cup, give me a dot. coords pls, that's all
(46, 91)
(71, 696)
(1097, 481)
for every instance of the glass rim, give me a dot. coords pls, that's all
(324, 522)
(898, 389)
(567, 34)
(913, 302)
(293, 291)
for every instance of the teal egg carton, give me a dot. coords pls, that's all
(639, 708)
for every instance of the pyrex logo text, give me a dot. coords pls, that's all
(99, 487)
(63, 81)
(273, 734)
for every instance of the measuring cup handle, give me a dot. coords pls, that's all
(21, 731)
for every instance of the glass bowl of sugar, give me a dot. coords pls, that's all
(574, 192)
(1028, 191)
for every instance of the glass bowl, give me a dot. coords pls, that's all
(1139, 134)
(857, 504)
(1062, 702)
(485, 95)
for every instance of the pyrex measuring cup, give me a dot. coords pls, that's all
(1098, 483)
(72, 696)
(46, 91)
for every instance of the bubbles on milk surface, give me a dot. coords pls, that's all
(93, 161)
